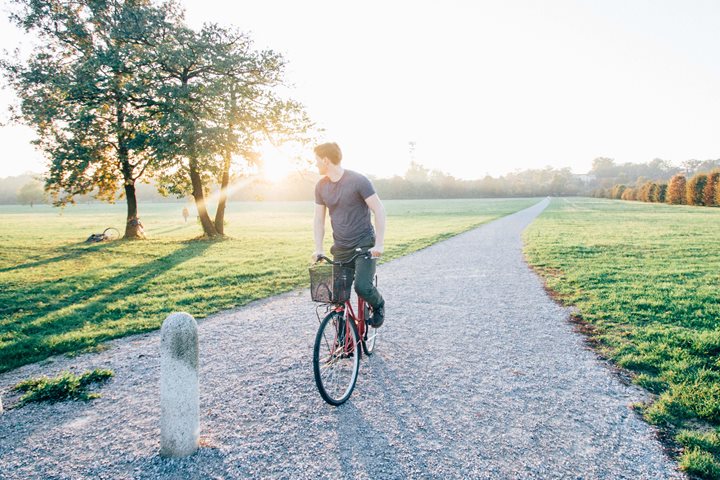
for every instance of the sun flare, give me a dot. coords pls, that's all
(278, 162)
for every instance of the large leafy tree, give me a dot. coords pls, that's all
(87, 89)
(219, 102)
(121, 90)
(253, 114)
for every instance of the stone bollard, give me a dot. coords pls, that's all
(179, 398)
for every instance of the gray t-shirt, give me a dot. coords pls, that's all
(349, 214)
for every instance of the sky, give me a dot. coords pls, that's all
(480, 87)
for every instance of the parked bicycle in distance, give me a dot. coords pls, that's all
(343, 333)
(108, 235)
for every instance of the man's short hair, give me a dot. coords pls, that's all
(330, 150)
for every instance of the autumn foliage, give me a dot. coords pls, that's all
(676, 190)
(710, 194)
(703, 189)
(695, 189)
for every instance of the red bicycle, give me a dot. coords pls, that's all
(337, 351)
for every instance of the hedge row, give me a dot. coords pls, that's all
(703, 190)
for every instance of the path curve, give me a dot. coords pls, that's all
(477, 374)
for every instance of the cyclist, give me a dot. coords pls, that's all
(350, 197)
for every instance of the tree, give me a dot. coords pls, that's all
(708, 165)
(660, 193)
(645, 191)
(218, 100)
(603, 167)
(652, 192)
(695, 188)
(417, 174)
(88, 92)
(560, 182)
(658, 168)
(629, 194)
(711, 188)
(676, 190)
(690, 166)
(617, 192)
(253, 113)
(31, 193)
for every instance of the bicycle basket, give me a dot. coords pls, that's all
(330, 283)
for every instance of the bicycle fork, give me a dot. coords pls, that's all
(343, 336)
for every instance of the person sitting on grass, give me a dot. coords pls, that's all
(350, 197)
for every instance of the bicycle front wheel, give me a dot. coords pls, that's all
(111, 234)
(336, 358)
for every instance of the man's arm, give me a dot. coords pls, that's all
(319, 230)
(374, 203)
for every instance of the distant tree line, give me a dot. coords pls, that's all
(28, 189)
(605, 179)
(419, 182)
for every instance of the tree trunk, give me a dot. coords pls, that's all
(207, 224)
(222, 201)
(133, 227)
(220, 214)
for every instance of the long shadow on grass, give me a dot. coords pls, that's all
(163, 231)
(29, 341)
(70, 252)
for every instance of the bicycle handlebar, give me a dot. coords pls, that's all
(354, 257)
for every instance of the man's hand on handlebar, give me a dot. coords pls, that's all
(376, 251)
(316, 257)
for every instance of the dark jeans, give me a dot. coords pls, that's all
(364, 274)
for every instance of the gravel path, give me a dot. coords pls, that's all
(477, 374)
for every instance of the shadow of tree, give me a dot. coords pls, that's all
(28, 338)
(163, 231)
(68, 252)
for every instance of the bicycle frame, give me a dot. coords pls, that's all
(359, 319)
(346, 309)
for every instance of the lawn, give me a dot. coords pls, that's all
(61, 295)
(645, 280)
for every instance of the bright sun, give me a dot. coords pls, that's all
(277, 162)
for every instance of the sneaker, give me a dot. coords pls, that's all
(378, 316)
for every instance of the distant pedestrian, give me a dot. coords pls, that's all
(186, 213)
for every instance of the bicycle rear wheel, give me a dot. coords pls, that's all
(336, 358)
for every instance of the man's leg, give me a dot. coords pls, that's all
(343, 255)
(365, 287)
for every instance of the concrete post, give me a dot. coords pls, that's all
(179, 398)
(1, 407)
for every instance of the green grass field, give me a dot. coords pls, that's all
(646, 281)
(60, 295)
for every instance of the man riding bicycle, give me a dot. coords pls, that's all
(350, 197)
